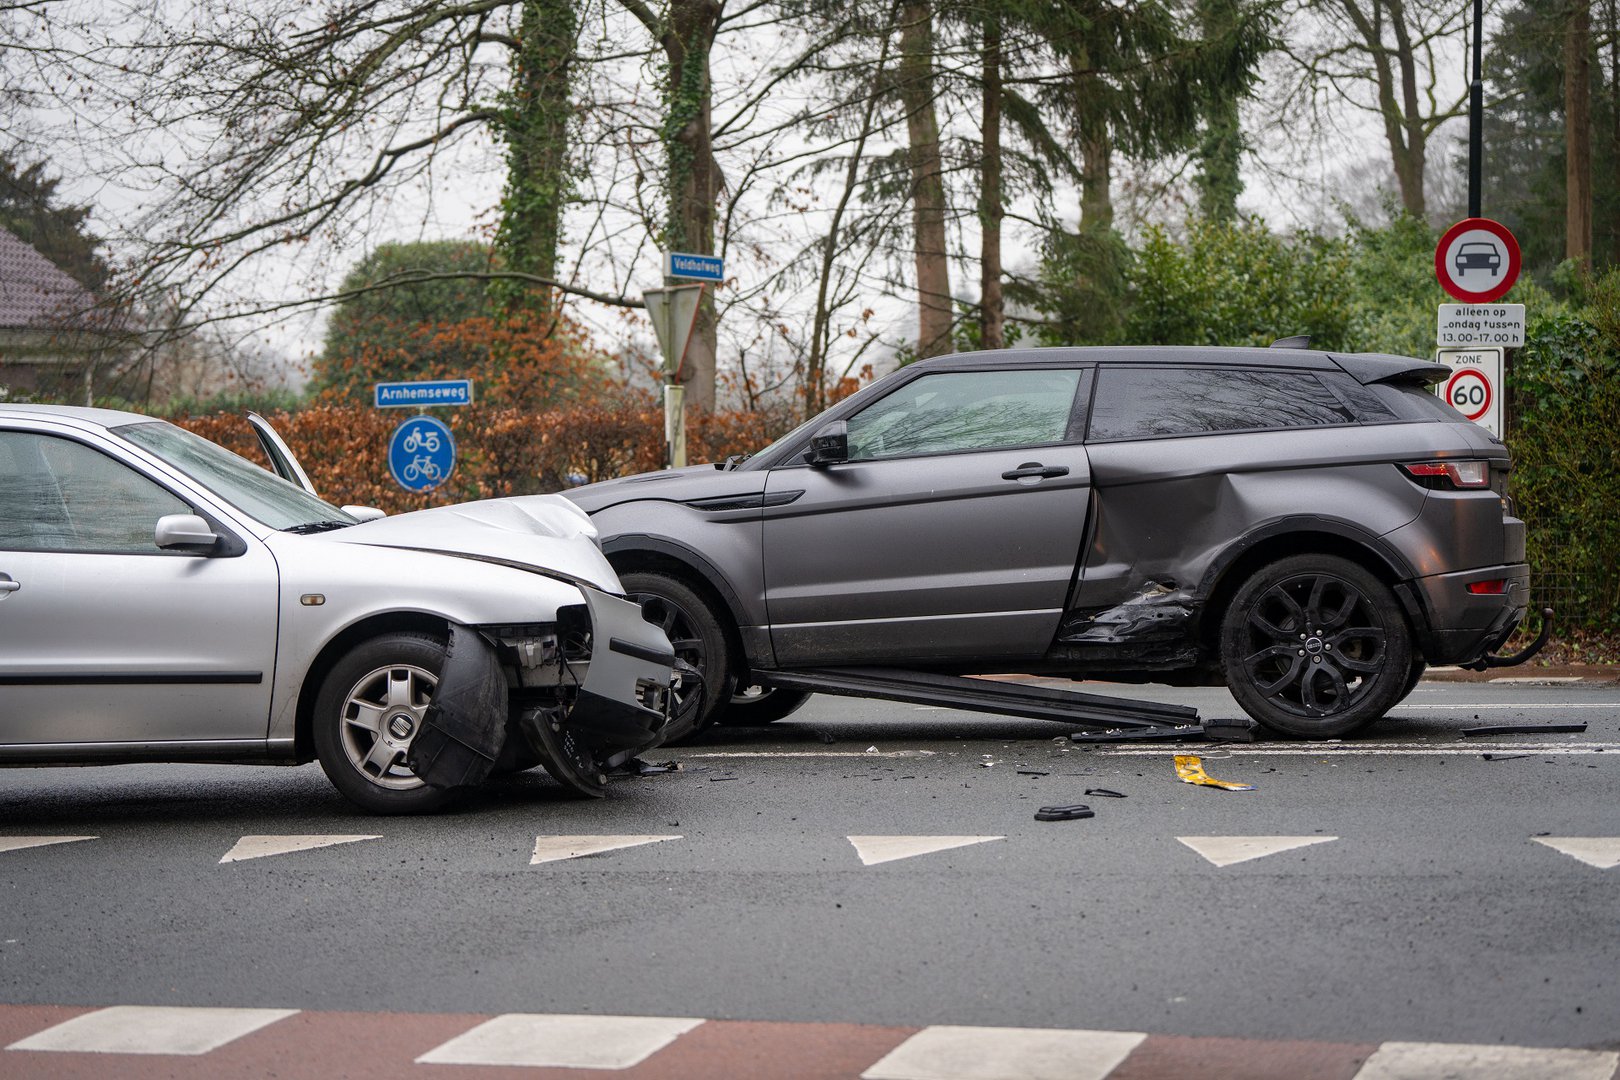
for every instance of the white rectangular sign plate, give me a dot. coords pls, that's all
(1474, 387)
(1495, 325)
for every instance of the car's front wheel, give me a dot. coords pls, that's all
(756, 704)
(1314, 645)
(367, 713)
(699, 638)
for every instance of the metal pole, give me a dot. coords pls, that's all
(1476, 114)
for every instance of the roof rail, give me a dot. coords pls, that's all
(1298, 341)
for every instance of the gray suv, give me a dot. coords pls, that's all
(1309, 528)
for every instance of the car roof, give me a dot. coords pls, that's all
(1365, 367)
(83, 415)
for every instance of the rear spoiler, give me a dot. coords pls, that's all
(1369, 368)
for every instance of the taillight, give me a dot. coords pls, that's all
(1494, 587)
(1450, 474)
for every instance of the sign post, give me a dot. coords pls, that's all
(674, 311)
(421, 451)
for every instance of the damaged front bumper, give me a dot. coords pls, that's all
(585, 694)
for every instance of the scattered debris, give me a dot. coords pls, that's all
(1191, 771)
(1503, 757)
(1033, 772)
(1105, 793)
(637, 767)
(871, 749)
(987, 764)
(1179, 731)
(718, 779)
(1525, 729)
(1064, 813)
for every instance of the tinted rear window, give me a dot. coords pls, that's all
(1142, 403)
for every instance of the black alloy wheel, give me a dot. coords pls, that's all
(1314, 645)
(699, 639)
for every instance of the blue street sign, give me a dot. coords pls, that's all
(421, 454)
(416, 395)
(695, 267)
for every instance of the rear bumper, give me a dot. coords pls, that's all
(1464, 626)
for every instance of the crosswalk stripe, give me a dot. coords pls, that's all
(258, 847)
(1602, 852)
(556, 848)
(882, 849)
(562, 1042)
(1453, 1061)
(18, 843)
(1229, 850)
(981, 1053)
(152, 1029)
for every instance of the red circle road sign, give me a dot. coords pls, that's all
(1469, 392)
(1477, 260)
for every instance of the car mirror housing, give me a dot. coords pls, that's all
(184, 531)
(829, 445)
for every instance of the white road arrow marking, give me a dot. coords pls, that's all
(882, 849)
(1602, 852)
(556, 848)
(257, 847)
(17, 843)
(1226, 850)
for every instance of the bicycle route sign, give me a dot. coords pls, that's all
(421, 454)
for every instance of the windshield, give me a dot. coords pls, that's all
(257, 492)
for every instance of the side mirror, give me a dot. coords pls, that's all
(830, 445)
(365, 513)
(184, 531)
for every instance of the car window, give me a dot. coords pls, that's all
(254, 490)
(1146, 402)
(60, 495)
(966, 410)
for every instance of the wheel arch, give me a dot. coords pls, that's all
(335, 649)
(1317, 536)
(650, 554)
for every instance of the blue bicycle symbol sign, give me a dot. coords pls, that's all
(421, 454)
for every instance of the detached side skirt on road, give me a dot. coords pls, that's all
(1007, 699)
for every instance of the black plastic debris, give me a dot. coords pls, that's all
(720, 779)
(1064, 813)
(1503, 757)
(1180, 731)
(636, 767)
(464, 729)
(1525, 729)
(1033, 772)
(1105, 793)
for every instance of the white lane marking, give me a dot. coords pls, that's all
(556, 848)
(258, 847)
(882, 849)
(1615, 705)
(1228, 850)
(1455, 1061)
(985, 1053)
(1602, 852)
(1536, 680)
(152, 1029)
(562, 1042)
(18, 843)
(812, 754)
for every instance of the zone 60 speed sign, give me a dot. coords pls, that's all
(1474, 387)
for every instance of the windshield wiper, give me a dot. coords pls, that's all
(317, 526)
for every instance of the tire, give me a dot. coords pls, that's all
(1315, 646)
(1414, 675)
(754, 705)
(388, 679)
(699, 637)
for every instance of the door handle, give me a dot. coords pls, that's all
(8, 584)
(1035, 469)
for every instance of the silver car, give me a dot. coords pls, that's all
(162, 599)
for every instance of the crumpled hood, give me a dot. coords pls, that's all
(546, 532)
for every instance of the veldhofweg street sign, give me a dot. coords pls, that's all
(678, 264)
(417, 395)
(1474, 387)
(1477, 260)
(421, 454)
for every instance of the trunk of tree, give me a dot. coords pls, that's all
(694, 177)
(535, 127)
(1578, 132)
(1396, 72)
(1612, 31)
(992, 309)
(927, 180)
(1096, 153)
(1220, 152)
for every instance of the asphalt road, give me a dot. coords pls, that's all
(1425, 910)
